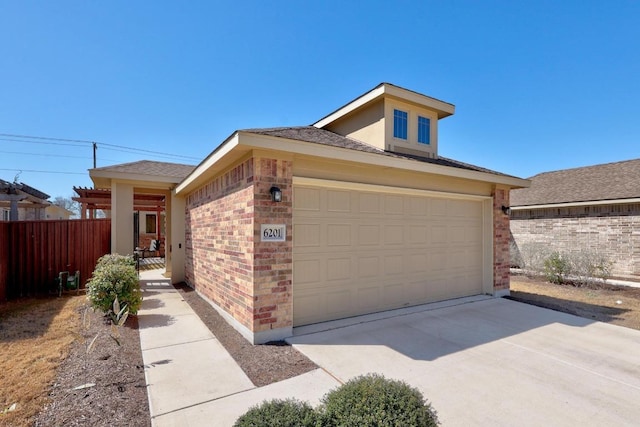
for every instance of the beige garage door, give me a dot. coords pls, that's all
(359, 251)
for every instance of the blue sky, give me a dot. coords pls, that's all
(538, 85)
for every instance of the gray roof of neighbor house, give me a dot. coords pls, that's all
(610, 181)
(148, 167)
(6, 185)
(325, 137)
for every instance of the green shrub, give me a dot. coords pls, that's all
(284, 413)
(557, 267)
(115, 276)
(373, 400)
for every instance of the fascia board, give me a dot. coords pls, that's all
(267, 142)
(133, 177)
(444, 109)
(351, 106)
(197, 176)
(576, 204)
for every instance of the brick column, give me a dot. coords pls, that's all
(272, 264)
(501, 256)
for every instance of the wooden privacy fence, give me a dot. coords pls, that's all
(32, 253)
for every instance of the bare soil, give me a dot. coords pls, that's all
(263, 364)
(618, 305)
(113, 363)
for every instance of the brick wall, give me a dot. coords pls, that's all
(501, 256)
(273, 269)
(612, 230)
(225, 260)
(219, 242)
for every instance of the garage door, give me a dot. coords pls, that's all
(357, 251)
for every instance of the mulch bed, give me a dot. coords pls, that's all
(263, 364)
(119, 396)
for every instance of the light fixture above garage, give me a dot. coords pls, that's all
(276, 194)
(506, 210)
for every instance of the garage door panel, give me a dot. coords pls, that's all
(368, 299)
(306, 271)
(306, 235)
(358, 252)
(393, 264)
(306, 199)
(338, 201)
(338, 234)
(368, 203)
(368, 266)
(339, 268)
(393, 234)
(393, 205)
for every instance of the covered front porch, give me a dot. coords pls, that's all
(139, 199)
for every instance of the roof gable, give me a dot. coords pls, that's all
(443, 109)
(609, 181)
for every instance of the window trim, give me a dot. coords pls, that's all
(400, 124)
(424, 122)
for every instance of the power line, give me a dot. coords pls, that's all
(45, 138)
(37, 171)
(40, 142)
(43, 154)
(132, 149)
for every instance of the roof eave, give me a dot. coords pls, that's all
(576, 204)
(444, 109)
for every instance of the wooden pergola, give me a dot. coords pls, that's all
(92, 199)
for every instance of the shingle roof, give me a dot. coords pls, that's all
(148, 167)
(610, 181)
(325, 137)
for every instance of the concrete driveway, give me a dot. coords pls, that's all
(496, 362)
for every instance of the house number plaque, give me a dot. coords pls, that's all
(273, 232)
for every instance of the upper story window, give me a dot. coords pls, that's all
(400, 124)
(424, 130)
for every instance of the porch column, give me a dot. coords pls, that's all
(122, 218)
(174, 250)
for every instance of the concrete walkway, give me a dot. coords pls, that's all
(191, 378)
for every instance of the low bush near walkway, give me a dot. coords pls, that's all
(369, 400)
(115, 276)
(284, 413)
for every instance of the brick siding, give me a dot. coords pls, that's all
(225, 260)
(611, 230)
(501, 238)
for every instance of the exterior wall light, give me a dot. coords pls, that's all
(506, 210)
(276, 194)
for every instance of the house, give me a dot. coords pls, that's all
(21, 202)
(354, 214)
(594, 208)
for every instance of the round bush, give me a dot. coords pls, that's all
(280, 413)
(373, 400)
(115, 275)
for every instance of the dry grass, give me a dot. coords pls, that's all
(35, 337)
(618, 305)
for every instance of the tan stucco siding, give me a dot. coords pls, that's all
(344, 171)
(366, 125)
(410, 145)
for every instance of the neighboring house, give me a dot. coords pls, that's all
(21, 202)
(355, 214)
(57, 212)
(593, 208)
